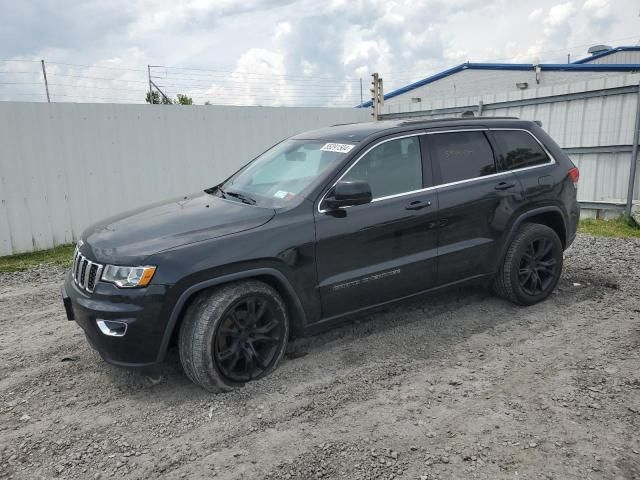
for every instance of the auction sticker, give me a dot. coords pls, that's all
(281, 194)
(337, 147)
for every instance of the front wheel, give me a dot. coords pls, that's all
(233, 334)
(532, 265)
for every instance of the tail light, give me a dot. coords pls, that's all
(574, 174)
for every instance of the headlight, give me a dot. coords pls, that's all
(128, 277)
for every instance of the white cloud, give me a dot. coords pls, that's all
(557, 26)
(560, 14)
(599, 15)
(598, 8)
(282, 29)
(536, 14)
(289, 45)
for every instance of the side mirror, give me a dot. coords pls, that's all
(348, 194)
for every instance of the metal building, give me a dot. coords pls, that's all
(491, 78)
(603, 54)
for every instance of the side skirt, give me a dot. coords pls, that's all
(325, 323)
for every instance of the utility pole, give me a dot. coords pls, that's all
(46, 83)
(634, 159)
(377, 96)
(150, 84)
(361, 99)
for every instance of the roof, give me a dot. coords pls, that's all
(558, 67)
(350, 132)
(357, 132)
(608, 52)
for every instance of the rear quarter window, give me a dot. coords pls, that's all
(518, 149)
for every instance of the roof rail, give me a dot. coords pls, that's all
(453, 119)
(341, 124)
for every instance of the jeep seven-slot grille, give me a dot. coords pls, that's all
(85, 273)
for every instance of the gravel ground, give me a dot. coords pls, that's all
(458, 385)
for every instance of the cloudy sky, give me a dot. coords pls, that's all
(292, 52)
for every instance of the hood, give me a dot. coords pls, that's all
(130, 237)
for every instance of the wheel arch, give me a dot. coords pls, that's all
(270, 276)
(550, 215)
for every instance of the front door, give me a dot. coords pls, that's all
(373, 253)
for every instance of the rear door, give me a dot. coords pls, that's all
(373, 253)
(476, 203)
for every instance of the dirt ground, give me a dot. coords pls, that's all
(458, 385)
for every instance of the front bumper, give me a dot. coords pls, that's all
(141, 309)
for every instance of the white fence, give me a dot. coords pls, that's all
(65, 166)
(593, 121)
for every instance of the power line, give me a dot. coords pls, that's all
(228, 79)
(8, 72)
(239, 72)
(19, 61)
(97, 66)
(20, 83)
(96, 78)
(95, 87)
(27, 94)
(243, 87)
(97, 98)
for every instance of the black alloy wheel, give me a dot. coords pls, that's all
(537, 267)
(532, 265)
(247, 340)
(233, 334)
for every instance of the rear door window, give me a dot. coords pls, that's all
(461, 155)
(518, 149)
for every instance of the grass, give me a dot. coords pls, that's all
(620, 227)
(60, 256)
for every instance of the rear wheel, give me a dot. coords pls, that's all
(232, 335)
(532, 265)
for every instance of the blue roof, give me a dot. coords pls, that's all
(608, 52)
(567, 67)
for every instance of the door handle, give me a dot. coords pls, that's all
(504, 186)
(417, 205)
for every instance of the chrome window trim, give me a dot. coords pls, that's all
(552, 161)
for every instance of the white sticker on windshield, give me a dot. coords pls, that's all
(337, 147)
(280, 194)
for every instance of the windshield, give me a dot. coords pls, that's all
(283, 174)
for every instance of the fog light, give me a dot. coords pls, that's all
(112, 328)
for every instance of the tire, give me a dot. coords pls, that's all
(222, 334)
(532, 265)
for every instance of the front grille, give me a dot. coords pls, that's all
(85, 273)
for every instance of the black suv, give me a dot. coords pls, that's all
(325, 224)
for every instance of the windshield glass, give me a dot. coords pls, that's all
(283, 174)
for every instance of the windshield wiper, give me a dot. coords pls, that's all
(215, 189)
(224, 194)
(239, 196)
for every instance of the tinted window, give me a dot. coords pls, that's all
(519, 149)
(462, 155)
(392, 167)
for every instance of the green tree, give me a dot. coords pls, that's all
(183, 100)
(156, 98)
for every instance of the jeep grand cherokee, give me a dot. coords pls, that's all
(323, 225)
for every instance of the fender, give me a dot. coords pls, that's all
(522, 218)
(298, 311)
